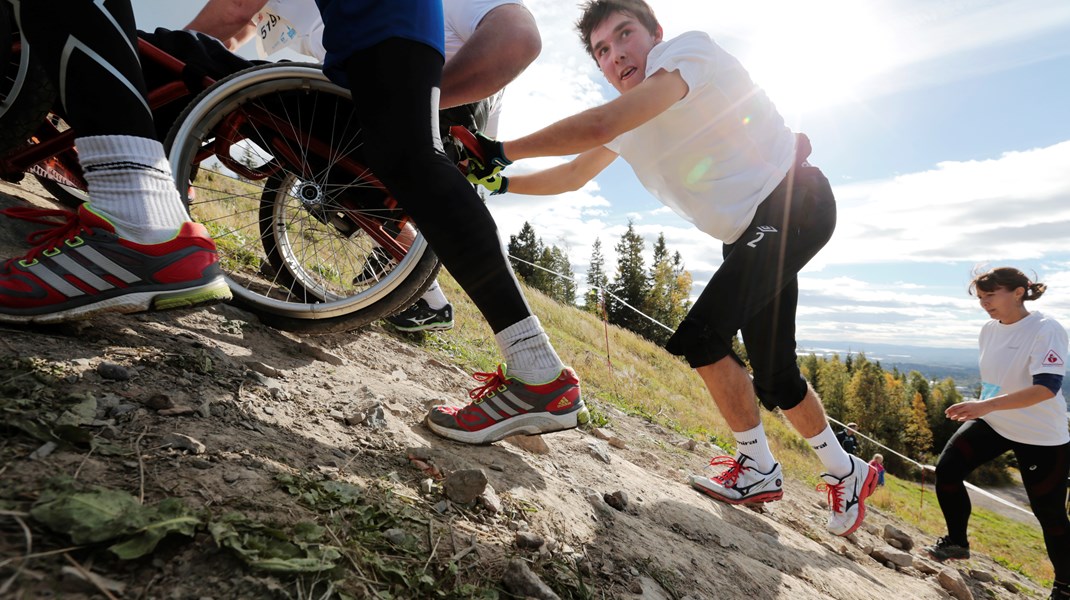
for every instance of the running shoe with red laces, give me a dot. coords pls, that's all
(847, 496)
(740, 483)
(505, 406)
(79, 267)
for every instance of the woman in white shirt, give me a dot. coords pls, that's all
(1022, 409)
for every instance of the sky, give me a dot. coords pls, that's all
(943, 126)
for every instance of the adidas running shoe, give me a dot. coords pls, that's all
(79, 267)
(421, 317)
(847, 496)
(505, 406)
(740, 482)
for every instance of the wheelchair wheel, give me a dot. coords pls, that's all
(270, 162)
(26, 93)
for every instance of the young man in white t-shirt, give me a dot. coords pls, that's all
(488, 44)
(709, 144)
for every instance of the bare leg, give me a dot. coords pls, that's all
(808, 417)
(732, 392)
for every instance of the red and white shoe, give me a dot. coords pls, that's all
(505, 406)
(80, 267)
(739, 482)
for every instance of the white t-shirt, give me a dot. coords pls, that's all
(297, 25)
(718, 152)
(1010, 356)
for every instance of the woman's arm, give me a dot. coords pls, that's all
(974, 409)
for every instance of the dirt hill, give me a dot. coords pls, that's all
(224, 459)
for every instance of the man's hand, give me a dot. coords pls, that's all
(490, 163)
(496, 183)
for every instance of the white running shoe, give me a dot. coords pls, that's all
(847, 496)
(740, 483)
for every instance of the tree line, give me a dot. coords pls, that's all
(661, 291)
(904, 411)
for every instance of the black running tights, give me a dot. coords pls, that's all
(89, 51)
(1044, 471)
(395, 89)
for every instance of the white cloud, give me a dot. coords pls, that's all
(1012, 207)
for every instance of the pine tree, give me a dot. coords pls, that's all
(831, 385)
(596, 279)
(529, 249)
(916, 435)
(630, 284)
(562, 289)
(667, 299)
(944, 394)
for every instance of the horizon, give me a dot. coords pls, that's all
(918, 115)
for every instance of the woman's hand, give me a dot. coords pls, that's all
(969, 410)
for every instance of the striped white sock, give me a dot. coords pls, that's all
(527, 351)
(130, 184)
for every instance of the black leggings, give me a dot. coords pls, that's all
(395, 90)
(100, 82)
(1044, 470)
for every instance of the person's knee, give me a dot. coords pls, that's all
(1052, 517)
(699, 344)
(784, 390)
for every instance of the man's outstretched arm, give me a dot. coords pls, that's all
(602, 124)
(504, 43)
(229, 21)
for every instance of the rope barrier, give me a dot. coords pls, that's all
(925, 468)
(601, 290)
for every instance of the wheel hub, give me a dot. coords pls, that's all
(310, 193)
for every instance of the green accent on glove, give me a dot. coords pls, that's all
(494, 159)
(496, 182)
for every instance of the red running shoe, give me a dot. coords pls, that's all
(505, 406)
(79, 267)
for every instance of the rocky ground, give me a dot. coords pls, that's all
(261, 464)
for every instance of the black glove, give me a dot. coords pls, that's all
(490, 163)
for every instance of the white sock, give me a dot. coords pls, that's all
(754, 444)
(837, 462)
(130, 184)
(527, 352)
(434, 296)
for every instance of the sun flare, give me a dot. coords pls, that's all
(817, 55)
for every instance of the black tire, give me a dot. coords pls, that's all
(290, 257)
(26, 92)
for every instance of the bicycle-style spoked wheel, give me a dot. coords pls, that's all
(270, 159)
(26, 93)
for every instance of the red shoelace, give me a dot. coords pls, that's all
(491, 383)
(730, 476)
(835, 492)
(63, 225)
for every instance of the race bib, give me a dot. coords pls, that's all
(989, 390)
(273, 33)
